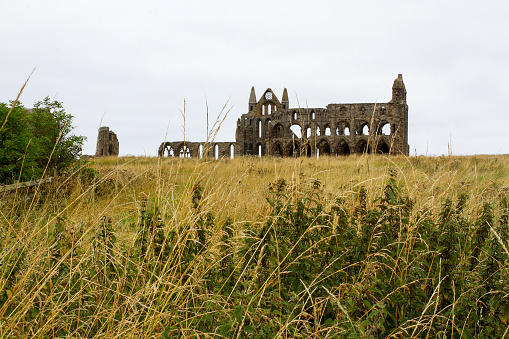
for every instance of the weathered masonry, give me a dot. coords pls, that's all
(272, 128)
(107, 143)
(190, 149)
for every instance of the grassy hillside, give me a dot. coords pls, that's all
(361, 247)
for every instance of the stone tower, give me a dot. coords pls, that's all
(107, 143)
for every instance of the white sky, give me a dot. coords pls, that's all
(131, 64)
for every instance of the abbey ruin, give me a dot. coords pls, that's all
(107, 143)
(271, 127)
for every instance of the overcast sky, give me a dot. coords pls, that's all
(129, 65)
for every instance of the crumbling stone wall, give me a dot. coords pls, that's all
(188, 149)
(272, 128)
(107, 143)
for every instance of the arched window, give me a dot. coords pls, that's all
(279, 131)
(259, 128)
(185, 152)
(386, 129)
(200, 152)
(169, 151)
(216, 151)
(327, 131)
(347, 131)
(269, 109)
(317, 130)
(232, 151)
(365, 130)
(308, 132)
(313, 116)
(296, 130)
(295, 115)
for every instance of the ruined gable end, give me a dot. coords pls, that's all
(107, 143)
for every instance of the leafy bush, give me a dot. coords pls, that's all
(36, 139)
(369, 263)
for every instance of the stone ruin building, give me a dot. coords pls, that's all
(271, 127)
(107, 143)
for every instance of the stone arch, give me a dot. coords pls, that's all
(277, 150)
(343, 127)
(327, 130)
(385, 128)
(278, 131)
(293, 148)
(363, 147)
(342, 148)
(323, 147)
(296, 130)
(308, 132)
(363, 128)
(169, 151)
(184, 151)
(382, 147)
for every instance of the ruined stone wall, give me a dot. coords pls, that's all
(272, 128)
(190, 149)
(107, 143)
(338, 129)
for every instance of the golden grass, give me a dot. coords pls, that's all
(232, 188)
(237, 186)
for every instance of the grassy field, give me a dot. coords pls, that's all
(355, 247)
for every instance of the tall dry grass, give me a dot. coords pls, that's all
(148, 247)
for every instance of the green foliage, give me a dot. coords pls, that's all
(371, 264)
(32, 140)
(52, 127)
(18, 148)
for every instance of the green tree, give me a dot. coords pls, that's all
(52, 127)
(31, 140)
(18, 149)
